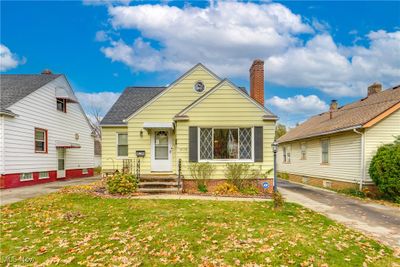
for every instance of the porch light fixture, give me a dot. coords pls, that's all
(275, 150)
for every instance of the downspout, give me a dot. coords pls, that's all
(362, 163)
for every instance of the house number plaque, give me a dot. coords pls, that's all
(140, 153)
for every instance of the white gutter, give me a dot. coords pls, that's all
(362, 163)
(321, 134)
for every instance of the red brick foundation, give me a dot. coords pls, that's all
(189, 185)
(12, 180)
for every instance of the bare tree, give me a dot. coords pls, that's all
(95, 117)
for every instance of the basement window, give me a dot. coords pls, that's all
(26, 177)
(44, 175)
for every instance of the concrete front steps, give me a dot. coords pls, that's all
(159, 183)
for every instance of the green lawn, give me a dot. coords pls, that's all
(84, 230)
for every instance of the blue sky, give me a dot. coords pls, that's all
(313, 51)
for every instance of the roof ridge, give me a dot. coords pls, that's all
(359, 106)
(146, 86)
(32, 74)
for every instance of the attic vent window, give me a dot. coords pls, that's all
(199, 86)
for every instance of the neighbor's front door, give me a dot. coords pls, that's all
(60, 162)
(161, 156)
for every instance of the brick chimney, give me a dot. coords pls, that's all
(257, 81)
(333, 107)
(46, 71)
(374, 88)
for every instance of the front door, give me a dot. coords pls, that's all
(161, 156)
(60, 162)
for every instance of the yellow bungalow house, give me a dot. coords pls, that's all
(198, 118)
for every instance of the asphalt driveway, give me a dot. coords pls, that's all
(8, 196)
(378, 221)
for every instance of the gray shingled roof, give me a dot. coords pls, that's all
(130, 101)
(14, 87)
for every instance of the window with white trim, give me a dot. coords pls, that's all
(226, 144)
(122, 145)
(43, 175)
(303, 150)
(286, 154)
(62, 105)
(40, 140)
(85, 171)
(28, 176)
(325, 151)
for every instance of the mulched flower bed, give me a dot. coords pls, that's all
(98, 189)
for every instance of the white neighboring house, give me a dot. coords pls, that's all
(44, 132)
(335, 148)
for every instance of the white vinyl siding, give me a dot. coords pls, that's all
(38, 110)
(383, 132)
(344, 158)
(1, 145)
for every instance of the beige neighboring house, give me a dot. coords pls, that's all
(334, 149)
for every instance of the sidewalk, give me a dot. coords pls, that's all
(12, 195)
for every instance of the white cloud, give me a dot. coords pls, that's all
(139, 56)
(101, 36)
(9, 60)
(296, 109)
(339, 71)
(227, 36)
(99, 102)
(299, 104)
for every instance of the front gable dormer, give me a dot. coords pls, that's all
(185, 90)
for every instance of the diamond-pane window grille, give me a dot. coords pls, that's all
(206, 147)
(245, 143)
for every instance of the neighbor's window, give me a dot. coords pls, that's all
(26, 176)
(122, 145)
(40, 140)
(284, 154)
(288, 154)
(85, 171)
(43, 175)
(62, 105)
(325, 151)
(226, 144)
(303, 149)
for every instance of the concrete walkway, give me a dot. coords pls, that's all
(8, 196)
(378, 221)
